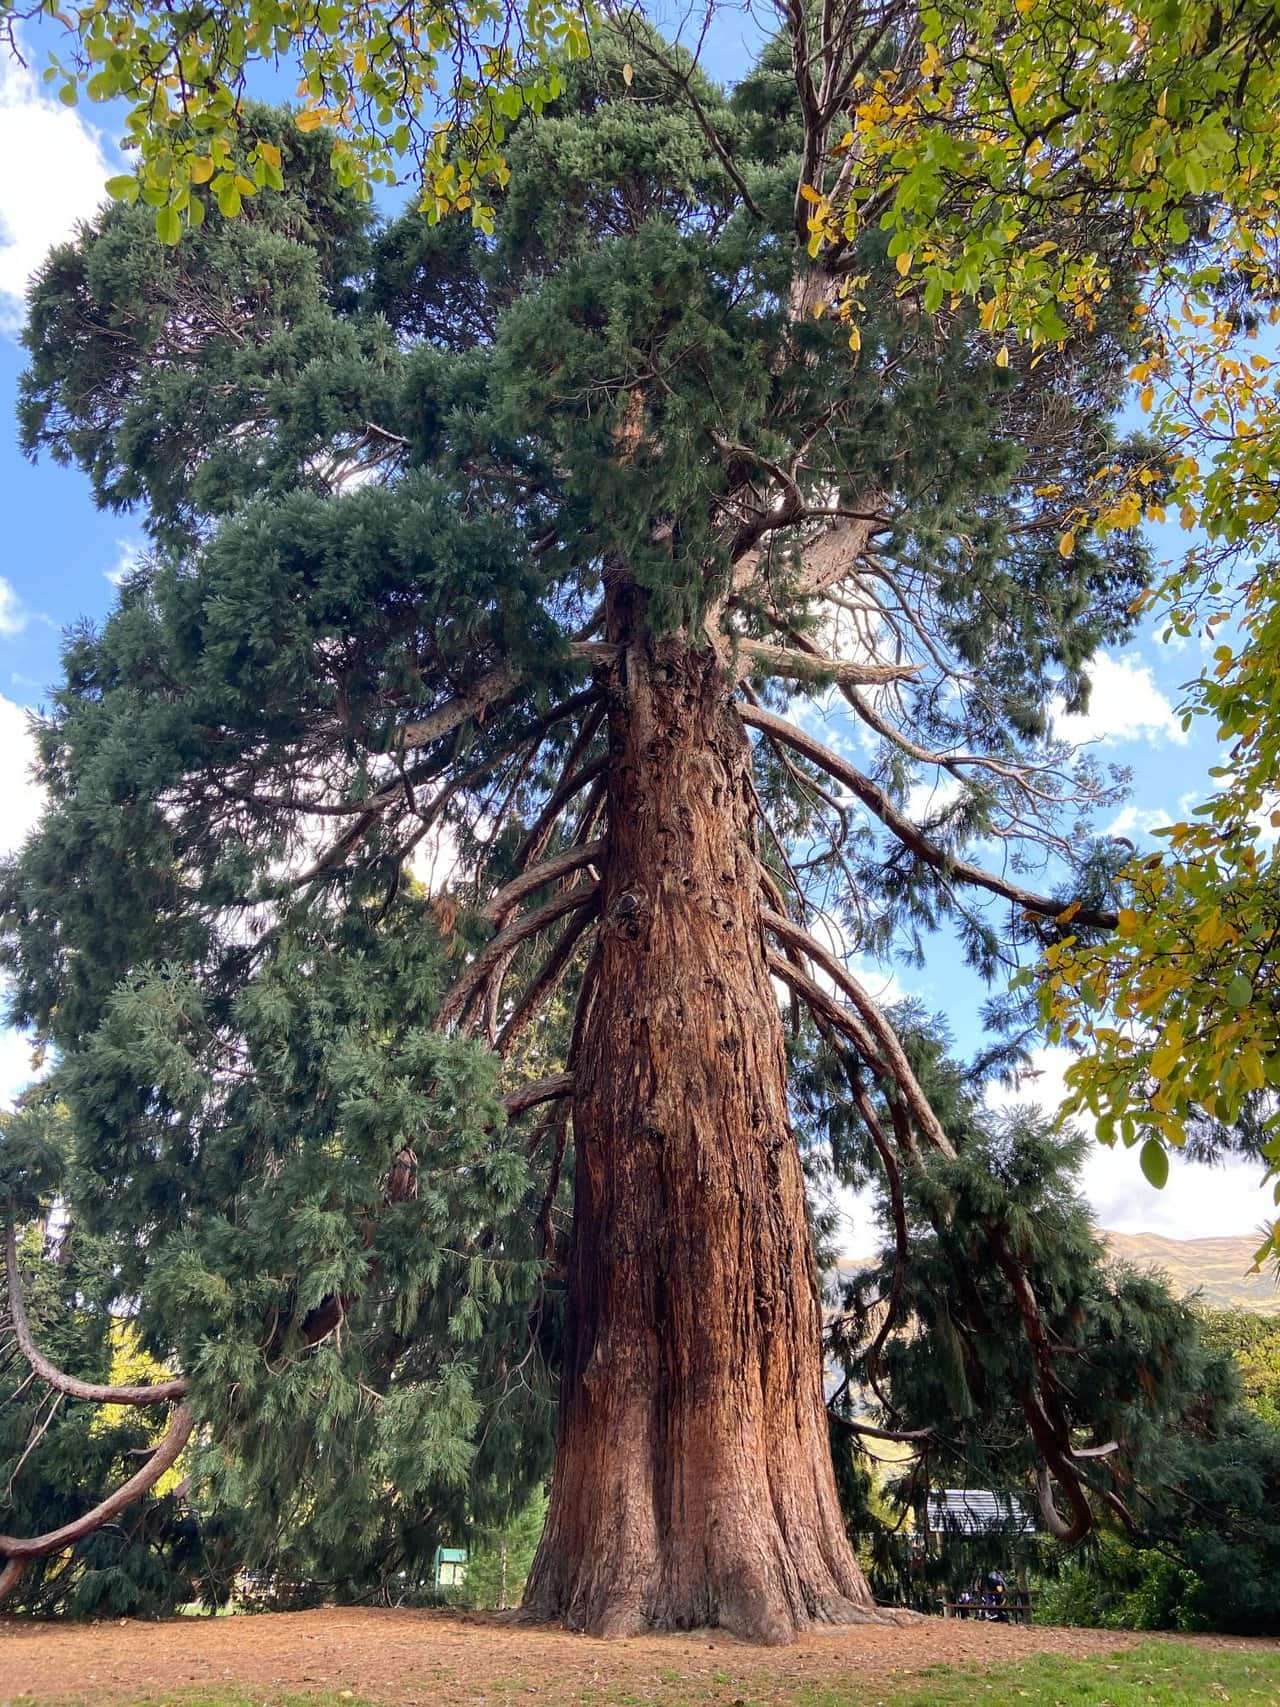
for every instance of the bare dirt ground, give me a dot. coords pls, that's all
(410, 1659)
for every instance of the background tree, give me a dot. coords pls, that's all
(1182, 1473)
(509, 542)
(1254, 1342)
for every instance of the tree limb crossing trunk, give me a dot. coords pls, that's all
(693, 1482)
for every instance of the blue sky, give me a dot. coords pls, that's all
(58, 557)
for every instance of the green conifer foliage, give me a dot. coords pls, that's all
(432, 510)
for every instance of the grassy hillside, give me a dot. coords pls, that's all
(1217, 1268)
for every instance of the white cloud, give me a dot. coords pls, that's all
(128, 557)
(1138, 820)
(858, 1231)
(927, 800)
(21, 797)
(56, 168)
(1125, 705)
(1198, 1202)
(879, 981)
(13, 618)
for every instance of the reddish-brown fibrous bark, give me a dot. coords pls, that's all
(693, 1481)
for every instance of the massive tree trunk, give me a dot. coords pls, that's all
(693, 1482)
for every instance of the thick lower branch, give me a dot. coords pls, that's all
(538, 1091)
(547, 980)
(18, 1550)
(567, 861)
(569, 787)
(805, 666)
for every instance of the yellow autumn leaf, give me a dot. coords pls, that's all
(1067, 545)
(1168, 1052)
(309, 120)
(904, 262)
(1002, 356)
(855, 339)
(810, 194)
(628, 74)
(1251, 1069)
(270, 153)
(200, 168)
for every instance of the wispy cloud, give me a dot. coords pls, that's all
(1139, 820)
(13, 614)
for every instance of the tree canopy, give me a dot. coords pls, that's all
(1022, 161)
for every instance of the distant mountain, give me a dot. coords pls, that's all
(1217, 1269)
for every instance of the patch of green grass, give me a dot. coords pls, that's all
(1157, 1674)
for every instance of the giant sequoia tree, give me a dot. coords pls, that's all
(539, 549)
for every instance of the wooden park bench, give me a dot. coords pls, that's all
(1018, 1608)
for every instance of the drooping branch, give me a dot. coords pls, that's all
(493, 952)
(20, 1550)
(887, 1041)
(910, 835)
(901, 1434)
(543, 986)
(893, 1182)
(954, 763)
(824, 1006)
(1050, 1428)
(155, 1393)
(401, 788)
(560, 1124)
(1066, 1530)
(570, 785)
